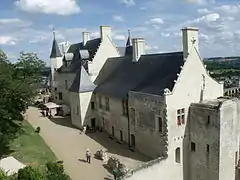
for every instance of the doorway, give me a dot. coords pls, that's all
(133, 140)
(113, 131)
(93, 122)
(121, 135)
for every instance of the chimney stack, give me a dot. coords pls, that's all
(138, 45)
(190, 40)
(86, 36)
(105, 32)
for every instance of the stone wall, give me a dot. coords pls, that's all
(144, 125)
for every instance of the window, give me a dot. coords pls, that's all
(193, 147)
(133, 116)
(208, 119)
(124, 108)
(55, 89)
(100, 101)
(107, 103)
(180, 116)
(207, 148)
(77, 110)
(92, 105)
(66, 84)
(60, 96)
(160, 124)
(178, 155)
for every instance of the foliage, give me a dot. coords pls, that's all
(3, 175)
(30, 173)
(55, 171)
(18, 84)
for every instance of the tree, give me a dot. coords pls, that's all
(30, 173)
(18, 84)
(55, 171)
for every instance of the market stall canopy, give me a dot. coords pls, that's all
(51, 105)
(10, 165)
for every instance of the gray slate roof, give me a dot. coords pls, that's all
(77, 61)
(55, 52)
(151, 74)
(82, 82)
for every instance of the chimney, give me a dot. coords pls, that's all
(190, 40)
(138, 45)
(85, 37)
(105, 32)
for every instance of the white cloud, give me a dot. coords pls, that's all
(155, 21)
(59, 7)
(201, 2)
(118, 18)
(229, 9)
(204, 11)
(14, 22)
(128, 2)
(119, 37)
(7, 40)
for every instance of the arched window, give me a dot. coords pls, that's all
(177, 155)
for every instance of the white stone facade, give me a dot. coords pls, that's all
(163, 126)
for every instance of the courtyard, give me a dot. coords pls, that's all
(70, 145)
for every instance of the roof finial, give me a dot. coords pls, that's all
(129, 39)
(129, 33)
(54, 33)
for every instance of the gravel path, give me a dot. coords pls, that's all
(70, 146)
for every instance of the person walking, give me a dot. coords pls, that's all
(115, 173)
(88, 156)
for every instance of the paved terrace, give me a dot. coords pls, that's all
(70, 146)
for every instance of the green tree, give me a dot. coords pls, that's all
(55, 171)
(18, 84)
(30, 173)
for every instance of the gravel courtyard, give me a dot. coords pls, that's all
(70, 146)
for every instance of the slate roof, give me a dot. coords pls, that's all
(82, 82)
(151, 74)
(55, 52)
(91, 46)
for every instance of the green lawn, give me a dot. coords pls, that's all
(30, 149)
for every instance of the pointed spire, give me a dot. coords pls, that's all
(55, 52)
(129, 39)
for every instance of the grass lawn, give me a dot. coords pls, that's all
(30, 149)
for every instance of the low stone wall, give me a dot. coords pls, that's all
(143, 166)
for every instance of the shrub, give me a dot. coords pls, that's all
(3, 175)
(37, 130)
(30, 173)
(55, 171)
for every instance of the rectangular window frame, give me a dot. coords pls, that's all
(160, 124)
(100, 102)
(181, 116)
(193, 147)
(60, 95)
(107, 104)
(66, 85)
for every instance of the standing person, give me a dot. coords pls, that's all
(115, 173)
(88, 156)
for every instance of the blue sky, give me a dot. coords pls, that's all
(26, 25)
